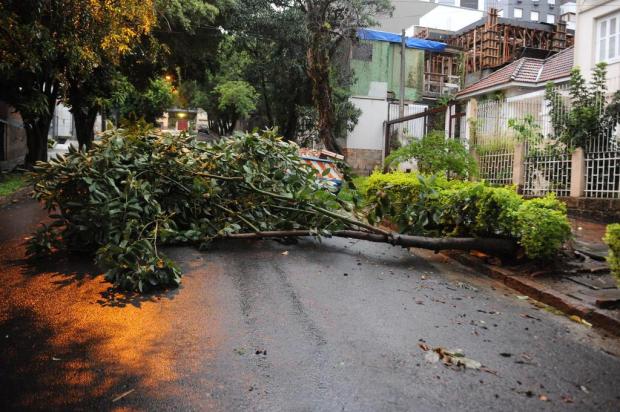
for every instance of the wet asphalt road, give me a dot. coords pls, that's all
(334, 326)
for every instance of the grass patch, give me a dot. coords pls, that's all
(11, 183)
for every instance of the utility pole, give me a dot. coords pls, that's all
(401, 92)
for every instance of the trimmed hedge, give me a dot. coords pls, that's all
(612, 238)
(435, 206)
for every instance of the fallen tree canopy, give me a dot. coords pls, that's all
(136, 190)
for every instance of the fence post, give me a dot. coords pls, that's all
(471, 113)
(578, 173)
(518, 165)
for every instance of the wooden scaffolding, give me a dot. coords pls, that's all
(494, 43)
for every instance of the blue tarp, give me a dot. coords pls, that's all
(410, 42)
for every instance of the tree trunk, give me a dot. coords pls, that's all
(319, 73)
(495, 247)
(36, 139)
(37, 129)
(266, 100)
(84, 124)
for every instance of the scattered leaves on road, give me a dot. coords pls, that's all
(453, 357)
(577, 319)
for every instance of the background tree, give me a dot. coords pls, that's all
(329, 24)
(589, 115)
(107, 30)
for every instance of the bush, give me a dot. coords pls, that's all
(612, 239)
(435, 206)
(435, 154)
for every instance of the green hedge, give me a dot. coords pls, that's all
(435, 206)
(612, 238)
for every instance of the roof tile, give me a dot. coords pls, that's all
(526, 70)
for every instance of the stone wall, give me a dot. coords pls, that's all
(602, 210)
(363, 161)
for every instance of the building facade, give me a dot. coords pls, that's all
(598, 26)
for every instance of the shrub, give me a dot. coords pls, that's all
(435, 154)
(542, 226)
(435, 206)
(612, 239)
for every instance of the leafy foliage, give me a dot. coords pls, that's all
(436, 154)
(236, 96)
(136, 190)
(612, 239)
(329, 23)
(149, 104)
(589, 115)
(51, 46)
(435, 206)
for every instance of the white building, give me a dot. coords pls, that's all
(598, 38)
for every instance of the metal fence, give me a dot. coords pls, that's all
(544, 170)
(412, 129)
(493, 143)
(546, 161)
(602, 157)
(547, 173)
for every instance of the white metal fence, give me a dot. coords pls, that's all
(412, 129)
(603, 159)
(547, 162)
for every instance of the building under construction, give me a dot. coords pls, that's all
(488, 44)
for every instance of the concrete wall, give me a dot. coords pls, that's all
(62, 124)
(364, 145)
(585, 42)
(12, 138)
(380, 71)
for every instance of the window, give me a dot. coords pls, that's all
(534, 15)
(551, 1)
(608, 38)
(518, 13)
(550, 19)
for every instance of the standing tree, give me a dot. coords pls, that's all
(50, 45)
(329, 23)
(590, 115)
(107, 31)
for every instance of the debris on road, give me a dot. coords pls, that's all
(122, 395)
(577, 319)
(453, 357)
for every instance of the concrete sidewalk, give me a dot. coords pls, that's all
(579, 284)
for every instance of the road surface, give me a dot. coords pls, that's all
(330, 326)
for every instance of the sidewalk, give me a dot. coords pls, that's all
(580, 284)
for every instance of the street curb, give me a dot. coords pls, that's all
(562, 302)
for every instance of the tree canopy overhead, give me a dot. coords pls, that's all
(67, 41)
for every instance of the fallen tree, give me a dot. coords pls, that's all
(491, 246)
(136, 190)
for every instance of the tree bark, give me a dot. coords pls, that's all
(491, 246)
(36, 139)
(84, 125)
(37, 128)
(319, 72)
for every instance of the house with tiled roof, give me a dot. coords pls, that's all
(523, 76)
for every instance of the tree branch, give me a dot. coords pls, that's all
(491, 246)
